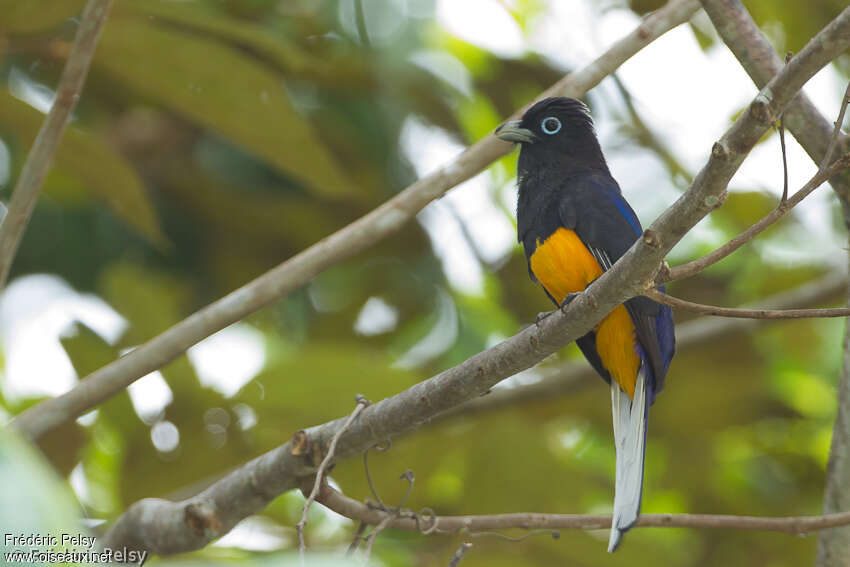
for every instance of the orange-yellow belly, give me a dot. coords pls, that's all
(563, 265)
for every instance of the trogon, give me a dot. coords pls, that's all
(574, 223)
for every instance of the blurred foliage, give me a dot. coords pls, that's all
(34, 499)
(216, 138)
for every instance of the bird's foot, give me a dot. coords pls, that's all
(568, 299)
(540, 316)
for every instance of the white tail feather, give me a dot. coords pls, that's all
(630, 439)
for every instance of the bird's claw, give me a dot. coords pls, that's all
(540, 316)
(569, 299)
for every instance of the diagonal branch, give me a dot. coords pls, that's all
(161, 526)
(300, 269)
(46, 143)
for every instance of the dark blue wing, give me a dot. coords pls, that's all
(608, 226)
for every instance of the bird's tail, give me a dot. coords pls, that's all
(630, 416)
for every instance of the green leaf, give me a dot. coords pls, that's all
(84, 165)
(34, 500)
(223, 90)
(214, 24)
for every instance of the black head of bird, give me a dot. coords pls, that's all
(555, 132)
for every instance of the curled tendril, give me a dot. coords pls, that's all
(426, 514)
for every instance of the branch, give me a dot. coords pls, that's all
(571, 376)
(459, 554)
(785, 205)
(300, 269)
(47, 141)
(758, 58)
(755, 53)
(797, 525)
(836, 133)
(162, 527)
(736, 312)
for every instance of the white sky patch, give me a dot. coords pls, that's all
(229, 359)
(150, 396)
(493, 234)
(485, 23)
(35, 311)
(376, 318)
(256, 533)
(441, 337)
(460, 265)
(524, 378)
(80, 484)
(566, 34)
(34, 94)
(88, 419)
(165, 436)
(693, 111)
(470, 203)
(246, 417)
(445, 66)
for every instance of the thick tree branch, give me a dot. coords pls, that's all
(834, 545)
(47, 141)
(369, 229)
(350, 508)
(163, 527)
(745, 313)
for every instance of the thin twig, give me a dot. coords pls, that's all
(362, 402)
(799, 525)
(784, 159)
(739, 313)
(368, 473)
(391, 513)
(358, 537)
(458, 556)
(788, 57)
(47, 141)
(410, 478)
(695, 266)
(362, 233)
(370, 539)
(360, 17)
(836, 132)
(516, 539)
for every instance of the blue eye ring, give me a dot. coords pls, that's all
(550, 125)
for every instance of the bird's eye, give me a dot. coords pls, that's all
(551, 125)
